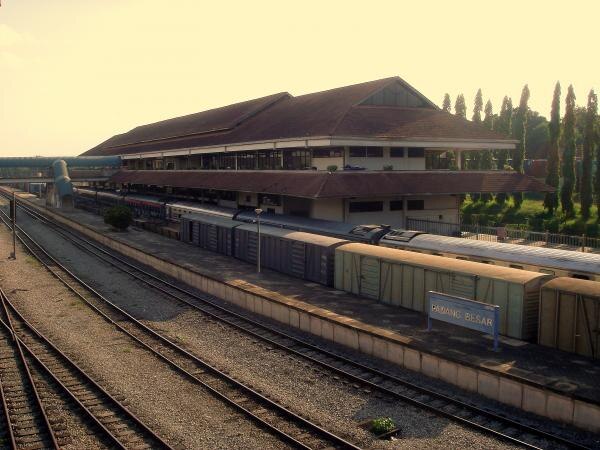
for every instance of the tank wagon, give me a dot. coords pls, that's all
(570, 316)
(402, 278)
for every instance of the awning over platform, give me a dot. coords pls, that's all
(313, 184)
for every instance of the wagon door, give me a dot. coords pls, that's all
(462, 286)
(370, 273)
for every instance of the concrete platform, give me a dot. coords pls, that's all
(558, 385)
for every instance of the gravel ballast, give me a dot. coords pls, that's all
(335, 404)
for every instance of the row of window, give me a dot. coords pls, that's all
(395, 152)
(377, 206)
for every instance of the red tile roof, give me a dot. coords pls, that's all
(336, 112)
(313, 184)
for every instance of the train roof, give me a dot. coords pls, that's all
(212, 220)
(441, 263)
(328, 227)
(143, 198)
(315, 239)
(204, 209)
(577, 286)
(526, 254)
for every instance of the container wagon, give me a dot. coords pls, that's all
(570, 316)
(214, 233)
(402, 278)
(562, 263)
(302, 255)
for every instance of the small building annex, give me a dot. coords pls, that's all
(388, 143)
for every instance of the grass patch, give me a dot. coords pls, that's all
(382, 425)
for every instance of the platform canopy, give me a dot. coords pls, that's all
(320, 184)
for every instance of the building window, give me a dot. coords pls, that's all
(356, 207)
(396, 205)
(374, 152)
(415, 205)
(358, 152)
(298, 159)
(336, 152)
(397, 152)
(416, 153)
(267, 199)
(228, 195)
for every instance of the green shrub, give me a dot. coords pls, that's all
(388, 167)
(382, 425)
(332, 168)
(118, 217)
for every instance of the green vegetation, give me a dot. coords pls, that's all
(530, 216)
(118, 217)
(332, 168)
(382, 425)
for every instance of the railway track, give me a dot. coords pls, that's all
(107, 417)
(486, 421)
(277, 419)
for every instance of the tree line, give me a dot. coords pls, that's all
(560, 141)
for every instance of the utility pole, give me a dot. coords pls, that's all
(13, 216)
(258, 211)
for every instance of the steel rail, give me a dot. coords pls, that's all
(26, 381)
(34, 334)
(364, 370)
(336, 440)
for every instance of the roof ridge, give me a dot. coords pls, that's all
(375, 89)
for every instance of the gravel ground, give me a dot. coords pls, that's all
(338, 406)
(177, 410)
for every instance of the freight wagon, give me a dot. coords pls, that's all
(402, 278)
(570, 316)
(302, 255)
(214, 233)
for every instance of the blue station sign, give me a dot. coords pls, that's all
(464, 313)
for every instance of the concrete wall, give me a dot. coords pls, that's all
(379, 343)
(322, 163)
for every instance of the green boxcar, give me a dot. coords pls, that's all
(570, 316)
(402, 278)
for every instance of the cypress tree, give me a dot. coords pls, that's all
(447, 104)
(486, 162)
(460, 107)
(475, 157)
(568, 164)
(552, 167)
(505, 127)
(585, 187)
(521, 134)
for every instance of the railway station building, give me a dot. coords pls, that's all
(375, 152)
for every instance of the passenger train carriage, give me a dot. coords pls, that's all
(560, 263)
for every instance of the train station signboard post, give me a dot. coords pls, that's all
(464, 312)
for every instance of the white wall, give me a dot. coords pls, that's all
(322, 163)
(328, 209)
(445, 206)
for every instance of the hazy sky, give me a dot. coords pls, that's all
(75, 72)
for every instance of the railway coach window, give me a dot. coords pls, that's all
(516, 266)
(580, 277)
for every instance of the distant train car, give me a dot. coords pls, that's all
(176, 209)
(570, 316)
(214, 233)
(403, 278)
(360, 233)
(303, 255)
(145, 206)
(560, 263)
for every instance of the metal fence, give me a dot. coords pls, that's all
(506, 235)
